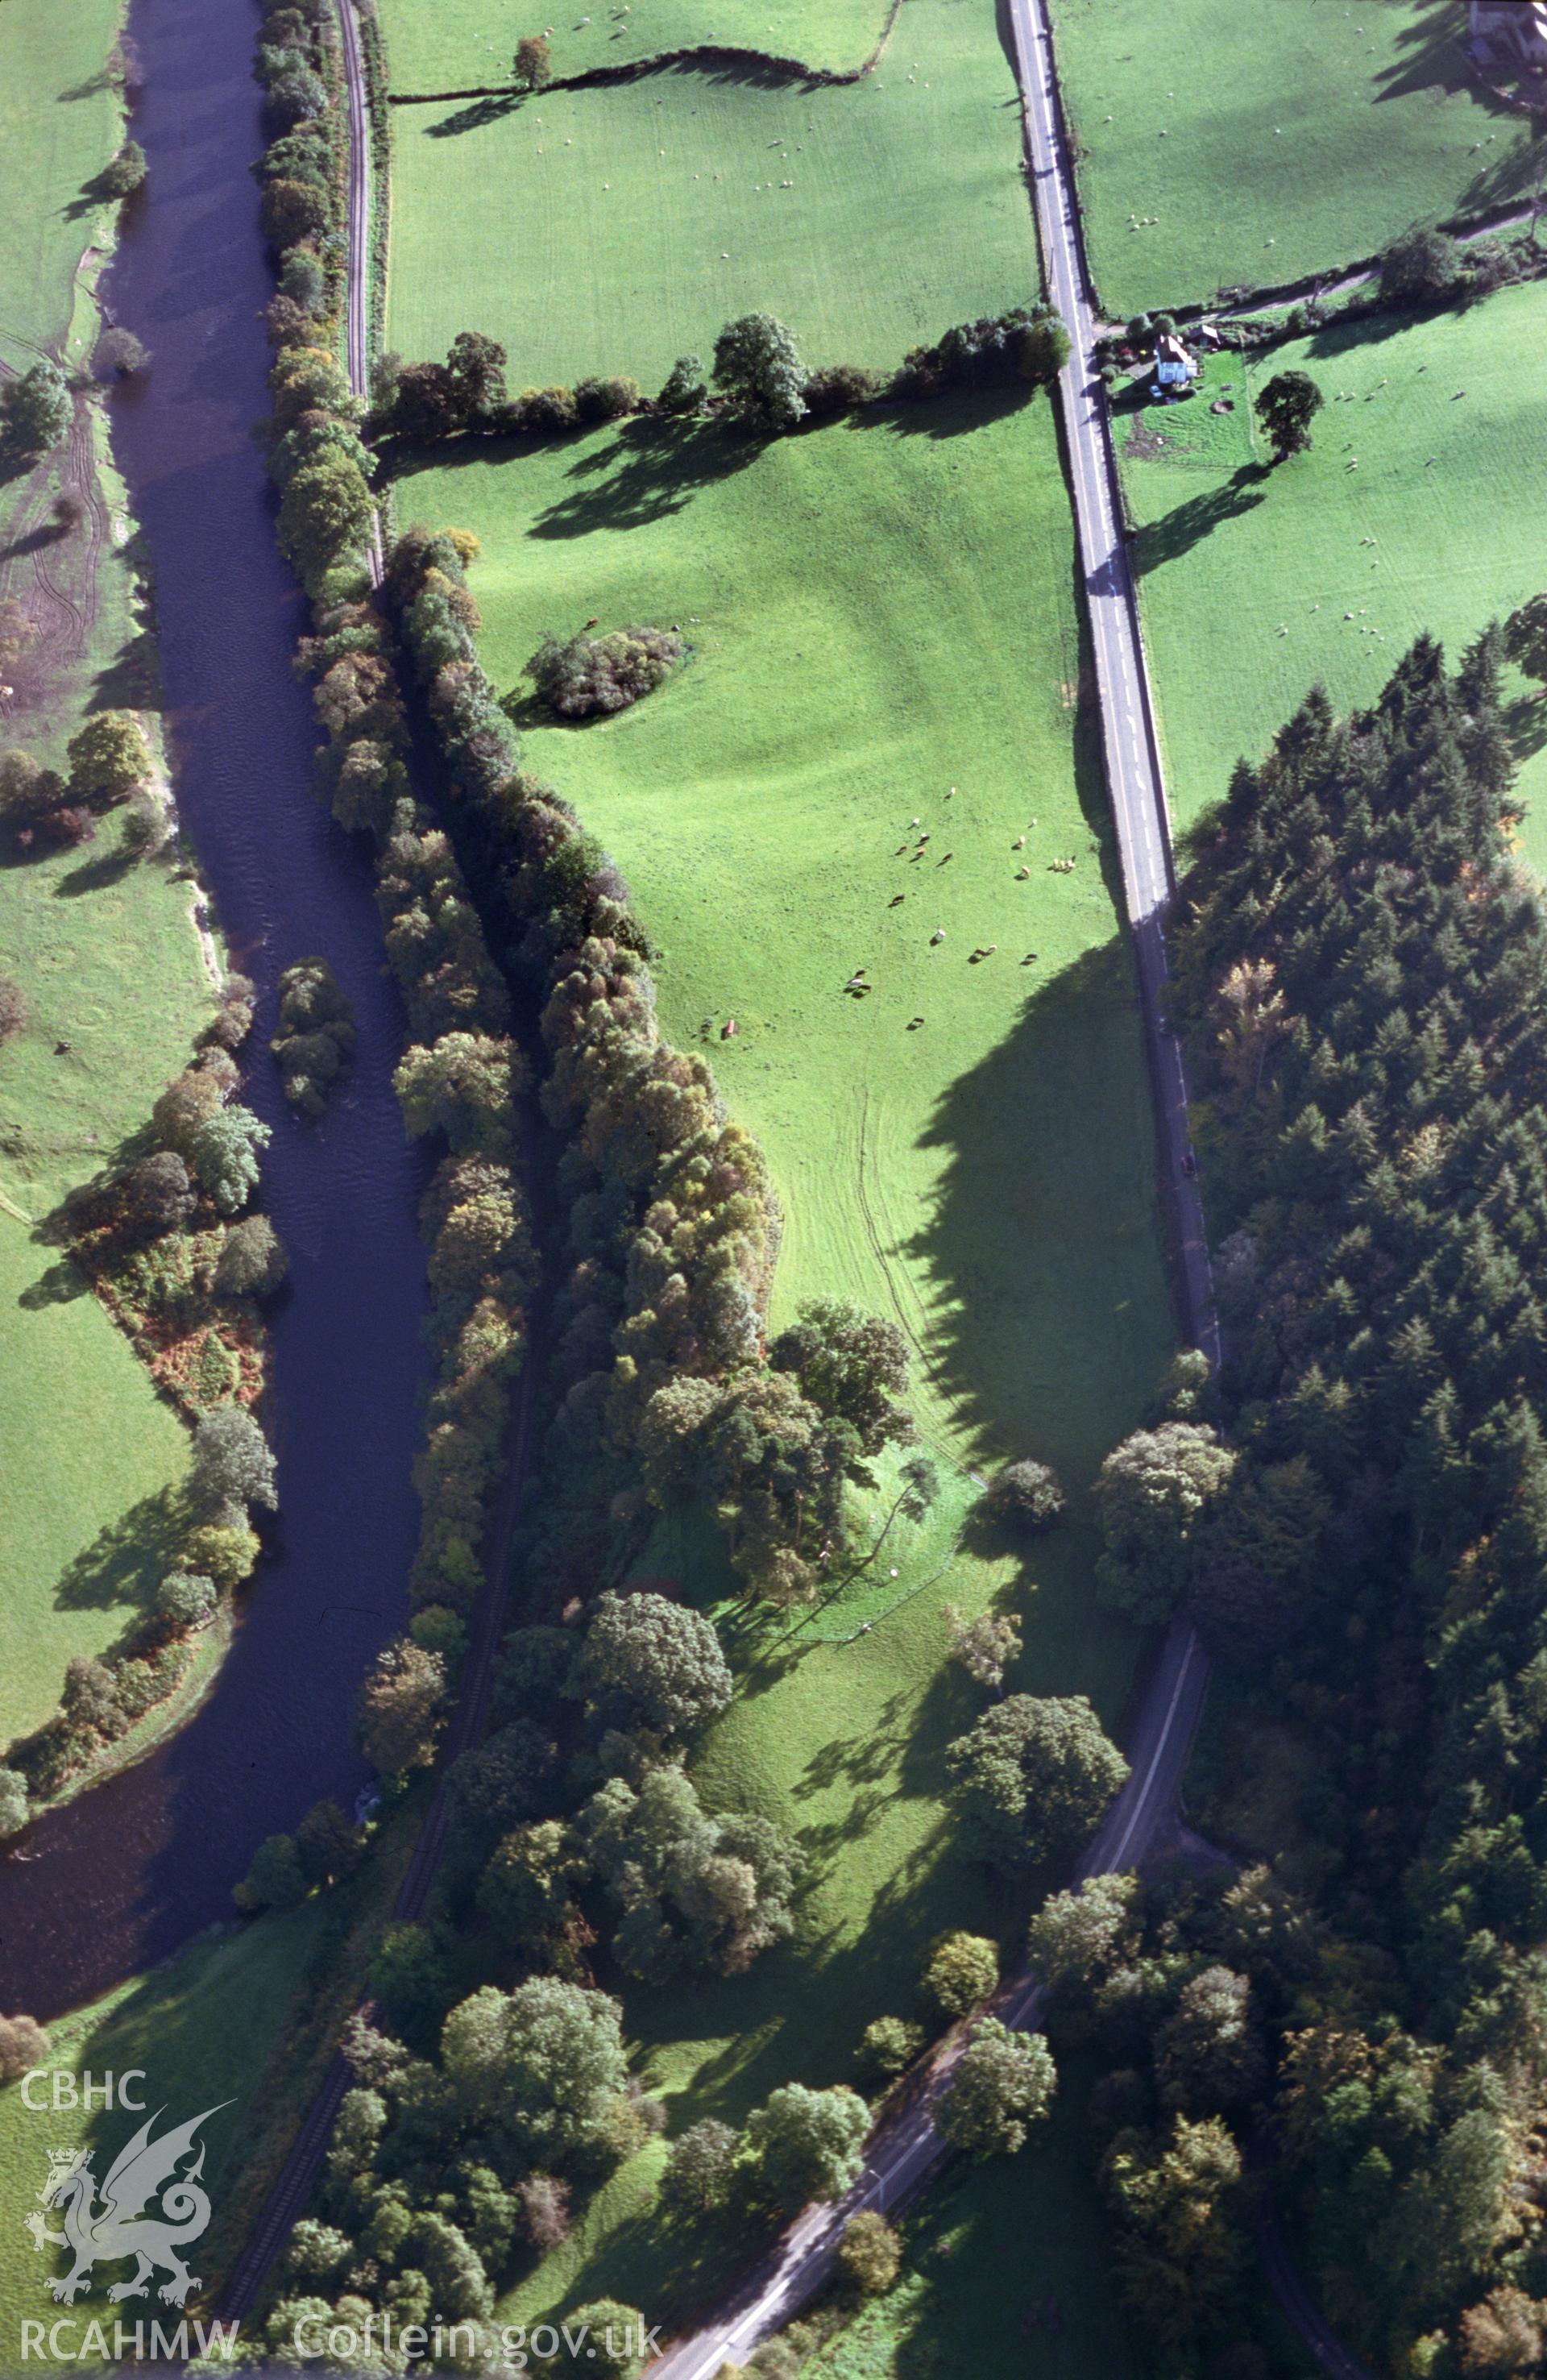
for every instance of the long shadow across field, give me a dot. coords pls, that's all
(1029, 1288)
(651, 469)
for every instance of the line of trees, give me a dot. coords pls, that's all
(758, 381)
(461, 1072)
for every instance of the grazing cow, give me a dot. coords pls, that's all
(729, 1030)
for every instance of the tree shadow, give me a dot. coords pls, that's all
(90, 89)
(97, 192)
(1436, 60)
(651, 470)
(1525, 722)
(127, 1561)
(60, 1285)
(1039, 1247)
(131, 680)
(490, 109)
(955, 415)
(96, 875)
(35, 540)
(1186, 524)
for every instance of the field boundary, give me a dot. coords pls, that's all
(695, 54)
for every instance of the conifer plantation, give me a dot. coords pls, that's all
(1360, 970)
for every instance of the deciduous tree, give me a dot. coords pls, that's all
(802, 2144)
(403, 1704)
(1032, 1778)
(1285, 408)
(533, 67)
(543, 2062)
(1003, 2082)
(759, 374)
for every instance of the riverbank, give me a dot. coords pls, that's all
(123, 1875)
(106, 955)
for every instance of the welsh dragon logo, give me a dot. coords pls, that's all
(118, 2226)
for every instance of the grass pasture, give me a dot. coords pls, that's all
(106, 958)
(1246, 574)
(612, 230)
(878, 613)
(203, 2028)
(1274, 141)
(460, 45)
(60, 122)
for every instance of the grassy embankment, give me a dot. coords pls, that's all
(1272, 142)
(177, 2024)
(464, 44)
(656, 210)
(878, 613)
(107, 960)
(1246, 575)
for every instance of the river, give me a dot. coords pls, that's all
(124, 1873)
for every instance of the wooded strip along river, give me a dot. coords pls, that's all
(123, 1875)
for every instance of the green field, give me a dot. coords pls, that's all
(1298, 137)
(201, 2028)
(1246, 575)
(461, 45)
(878, 613)
(107, 959)
(60, 122)
(611, 230)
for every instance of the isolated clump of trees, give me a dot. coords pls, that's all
(315, 1044)
(110, 767)
(589, 676)
(36, 410)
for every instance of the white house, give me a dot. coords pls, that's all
(1505, 28)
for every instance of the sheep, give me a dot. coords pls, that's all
(729, 1030)
(1019, 843)
(1022, 874)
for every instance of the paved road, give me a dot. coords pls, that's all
(1130, 743)
(908, 2146)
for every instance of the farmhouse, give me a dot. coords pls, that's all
(1518, 28)
(1175, 368)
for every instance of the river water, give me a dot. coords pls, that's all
(124, 1873)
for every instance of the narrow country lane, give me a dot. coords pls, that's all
(908, 2146)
